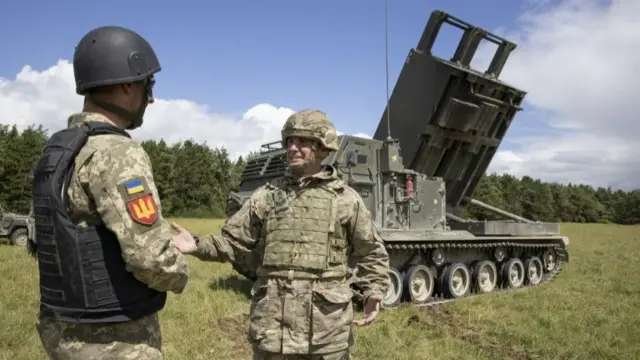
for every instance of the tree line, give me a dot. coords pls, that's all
(194, 180)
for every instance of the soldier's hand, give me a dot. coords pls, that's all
(183, 240)
(371, 309)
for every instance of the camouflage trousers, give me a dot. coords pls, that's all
(140, 339)
(264, 355)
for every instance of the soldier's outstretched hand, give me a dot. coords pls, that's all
(371, 309)
(183, 240)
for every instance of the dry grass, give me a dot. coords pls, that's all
(589, 312)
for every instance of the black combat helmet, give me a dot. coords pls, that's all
(112, 55)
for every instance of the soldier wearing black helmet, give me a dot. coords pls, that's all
(105, 253)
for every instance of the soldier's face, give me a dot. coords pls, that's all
(299, 151)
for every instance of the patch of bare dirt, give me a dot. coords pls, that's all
(457, 326)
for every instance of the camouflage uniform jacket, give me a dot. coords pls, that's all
(303, 311)
(103, 165)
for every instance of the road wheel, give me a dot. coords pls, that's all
(394, 293)
(19, 237)
(419, 283)
(456, 281)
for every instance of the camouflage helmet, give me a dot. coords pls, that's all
(311, 124)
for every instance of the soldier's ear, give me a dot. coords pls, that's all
(321, 152)
(129, 89)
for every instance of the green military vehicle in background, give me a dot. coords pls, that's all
(442, 126)
(15, 227)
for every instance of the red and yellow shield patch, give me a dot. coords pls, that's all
(143, 209)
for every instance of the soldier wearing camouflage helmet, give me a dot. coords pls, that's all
(105, 255)
(306, 227)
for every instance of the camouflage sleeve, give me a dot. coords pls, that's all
(239, 235)
(367, 251)
(120, 182)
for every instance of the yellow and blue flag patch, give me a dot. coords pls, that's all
(134, 187)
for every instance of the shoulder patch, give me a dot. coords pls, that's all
(134, 186)
(280, 200)
(141, 205)
(143, 209)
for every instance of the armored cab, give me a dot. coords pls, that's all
(435, 140)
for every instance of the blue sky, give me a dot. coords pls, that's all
(233, 55)
(577, 60)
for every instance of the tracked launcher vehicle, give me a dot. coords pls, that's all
(450, 120)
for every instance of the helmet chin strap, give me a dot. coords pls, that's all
(135, 119)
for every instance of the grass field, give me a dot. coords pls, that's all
(591, 311)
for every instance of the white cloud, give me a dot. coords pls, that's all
(360, 134)
(48, 97)
(580, 62)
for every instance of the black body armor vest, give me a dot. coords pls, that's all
(82, 273)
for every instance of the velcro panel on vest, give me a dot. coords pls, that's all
(97, 270)
(297, 236)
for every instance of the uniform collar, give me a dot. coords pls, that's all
(80, 118)
(328, 174)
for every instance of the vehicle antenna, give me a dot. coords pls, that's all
(386, 59)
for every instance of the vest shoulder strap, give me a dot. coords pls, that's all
(71, 140)
(64, 145)
(101, 128)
